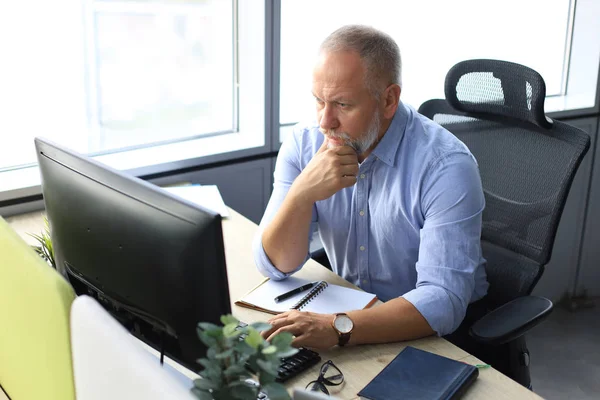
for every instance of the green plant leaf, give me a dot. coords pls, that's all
(267, 366)
(269, 350)
(234, 370)
(207, 326)
(206, 363)
(212, 374)
(254, 339)
(208, 340)
(276, 391)
(242, 391)
(265, 378)
(261, 326)
(282, 340)
(205, 384)
(229, 319)
(201, 394)
(227, 353)
(230, 330)
(245, 349)
(211, 353)
(287, 353)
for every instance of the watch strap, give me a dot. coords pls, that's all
(343, 338)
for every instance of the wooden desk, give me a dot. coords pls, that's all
(359, 364)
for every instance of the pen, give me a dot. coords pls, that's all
(292, 292)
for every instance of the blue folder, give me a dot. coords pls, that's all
(418, 375)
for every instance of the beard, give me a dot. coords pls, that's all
(362, 144)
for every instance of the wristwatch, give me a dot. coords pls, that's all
(343, 325)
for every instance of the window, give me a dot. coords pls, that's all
(142, 85)
(159, 72)
(432, 36)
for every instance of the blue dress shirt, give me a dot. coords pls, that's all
(409, 227)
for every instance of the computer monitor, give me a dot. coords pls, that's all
(154, 261)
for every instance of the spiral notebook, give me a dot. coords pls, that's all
(322, 298)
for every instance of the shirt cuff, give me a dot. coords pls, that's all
(443, 312)
(264, 265)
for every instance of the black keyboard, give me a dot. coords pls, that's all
(293, 365)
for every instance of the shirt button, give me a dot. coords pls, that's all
(362, 176)
(362, 248)
(361, 213)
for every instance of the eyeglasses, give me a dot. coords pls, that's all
(329, 375)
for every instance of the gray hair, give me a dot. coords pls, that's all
(378, 50)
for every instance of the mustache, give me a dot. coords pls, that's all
(334, 135)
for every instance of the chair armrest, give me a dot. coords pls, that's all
(511, 320)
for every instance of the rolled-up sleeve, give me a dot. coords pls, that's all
(287, 168)
(452, 202)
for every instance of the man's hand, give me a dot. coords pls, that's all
(329, 171)
(310, 329)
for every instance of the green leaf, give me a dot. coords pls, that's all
(205, 384)
(254, 339)
(227, 353)
(229, 319)
(209, 341)
(207, 326)
(206, 363)
(265, 378)
(287, 353)
(245, 349)
(261, 326)
(211, 353)
(282, 340)
(213, 375)
(236, 370)
(267, 366)
(269, 350)
(243, 391)
(276, 391)
(230, 330)
(201, 394)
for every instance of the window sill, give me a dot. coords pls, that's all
(26, 181)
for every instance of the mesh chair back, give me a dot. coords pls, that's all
(526, 160)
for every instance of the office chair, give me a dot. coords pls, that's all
(35, 302)
(527, 163)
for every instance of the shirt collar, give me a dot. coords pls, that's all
(387, 148)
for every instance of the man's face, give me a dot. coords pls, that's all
(347, 112)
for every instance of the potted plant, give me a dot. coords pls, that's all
(239, 363)
(45, 249)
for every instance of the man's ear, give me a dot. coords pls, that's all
(391, 99)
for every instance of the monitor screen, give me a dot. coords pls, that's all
(154, 261)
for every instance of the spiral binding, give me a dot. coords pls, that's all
(314, 292)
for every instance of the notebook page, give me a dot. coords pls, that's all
(333, 299)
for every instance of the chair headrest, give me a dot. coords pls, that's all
(494, 88)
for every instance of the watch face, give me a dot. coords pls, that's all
(343, 323)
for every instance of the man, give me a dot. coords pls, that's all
(396, 198)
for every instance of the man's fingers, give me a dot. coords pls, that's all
(351, 169)
(345, 150)
(323, 146)
(348, 159)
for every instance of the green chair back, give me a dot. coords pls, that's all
(35, 302)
